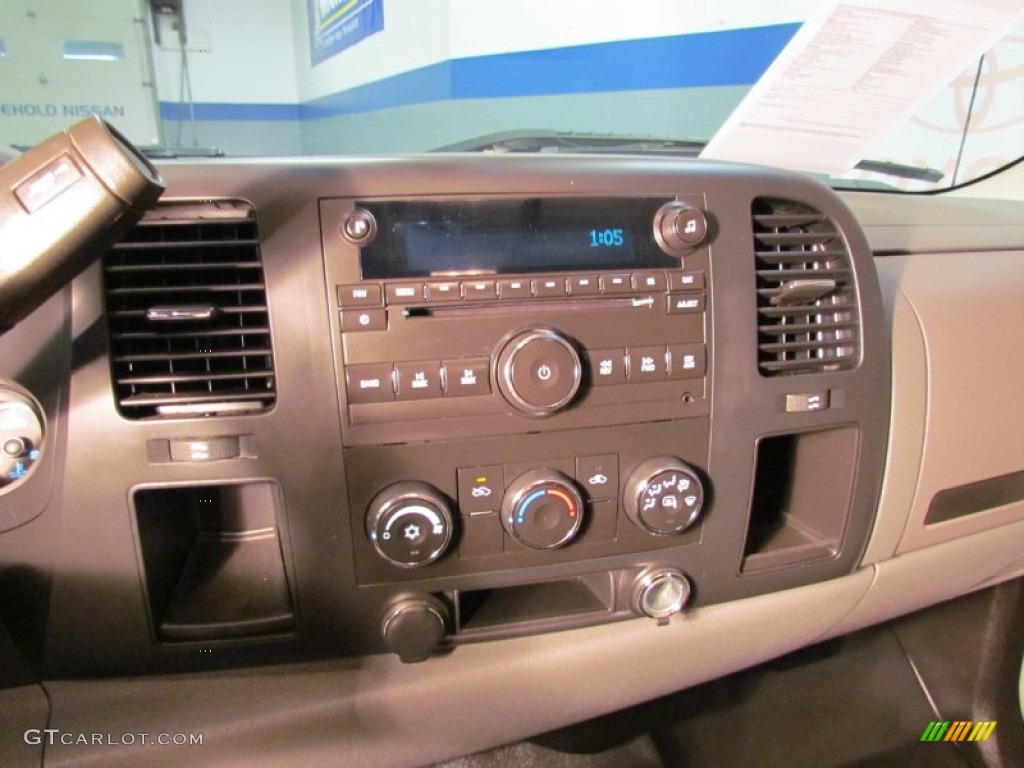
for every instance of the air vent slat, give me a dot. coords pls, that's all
(786, 220)
(182, 244)
(193, 378)
(794, 238)
(180, 357)
(824, 309)
(198, 289)
(803, 331)
(795, 328)
(215, 333)
(799, 257)
(155, 400)
(813, 344)
(811, 365)
(189, 256)
(183, 266)
(778, 275)
(141, 313)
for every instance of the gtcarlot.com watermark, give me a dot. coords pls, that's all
(54, 736)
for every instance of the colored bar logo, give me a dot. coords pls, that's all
(959, 730)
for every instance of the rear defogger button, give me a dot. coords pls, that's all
(539, 372)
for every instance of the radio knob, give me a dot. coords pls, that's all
(539, 372)
(542, 509)
(664, 496)
(409, 524)
(679, 228)
(359, 227)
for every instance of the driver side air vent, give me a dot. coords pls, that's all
(187, 314)
(808, 313)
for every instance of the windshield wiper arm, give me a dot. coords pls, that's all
(547, 141)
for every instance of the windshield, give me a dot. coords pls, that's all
(346, 77)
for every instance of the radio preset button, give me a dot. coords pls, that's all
(685, 303)
(649, 281)
(686, 361)
(607, 366)
(364, 320)
(467, 377)
(647, 364)
(616, 283)
(418, 381)
(449, 290)
(370, 383)
(360, 295)
(480, 290)
(584, 285)
(404, 293)
(547, 287)
(514, 289)
(686, 281)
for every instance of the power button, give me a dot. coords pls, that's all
(539, 372)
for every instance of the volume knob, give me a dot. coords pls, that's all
(539, 372)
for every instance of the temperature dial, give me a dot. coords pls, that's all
(542, 509)
(410, 524)
(664, 496)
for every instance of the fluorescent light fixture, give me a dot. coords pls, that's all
(91, 50)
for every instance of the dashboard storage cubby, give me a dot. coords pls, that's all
(213, 562)
(800, 505)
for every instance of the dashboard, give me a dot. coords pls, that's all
(321, 444)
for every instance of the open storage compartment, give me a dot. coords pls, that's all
(801, 499)
(213, 561)
(483, 614)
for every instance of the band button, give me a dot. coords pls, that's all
(370, 383)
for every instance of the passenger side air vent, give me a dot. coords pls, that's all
(186, 307)
(808, 314)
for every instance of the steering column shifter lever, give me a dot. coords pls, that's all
(62, 204)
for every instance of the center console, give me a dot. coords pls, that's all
(532, 388)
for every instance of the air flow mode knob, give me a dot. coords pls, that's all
(664, 496)
(409, 524)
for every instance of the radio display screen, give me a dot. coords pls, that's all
(447, 238)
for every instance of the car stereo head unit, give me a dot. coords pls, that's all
(479, 316)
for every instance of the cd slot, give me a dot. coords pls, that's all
(528, 307)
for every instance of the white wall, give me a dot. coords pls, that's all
(481, 27)
(41, 93)
(239, 52)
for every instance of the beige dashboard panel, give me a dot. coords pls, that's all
(378, 711)
(970, 308)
